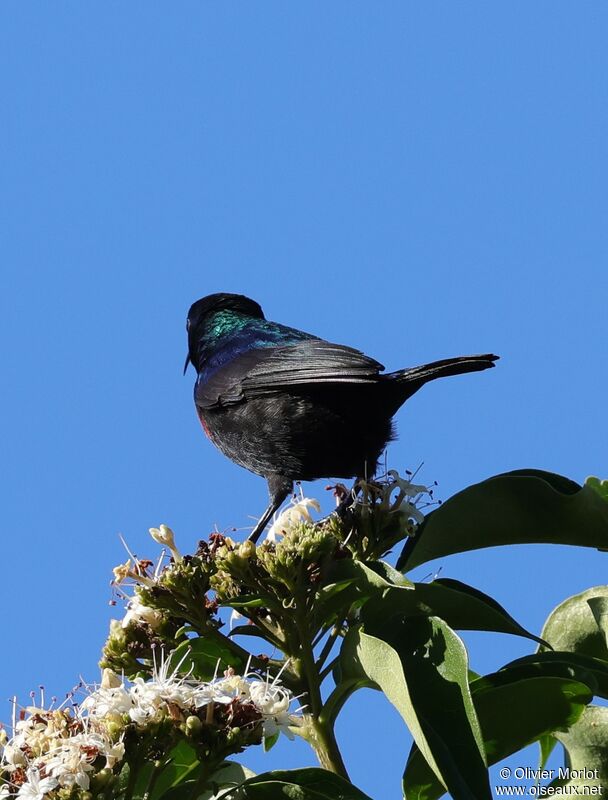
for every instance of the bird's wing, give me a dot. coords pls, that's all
(268, 370)
(310, 361)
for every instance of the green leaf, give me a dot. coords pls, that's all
(573, 626)
(270, 741)
(599, 609)
(421, 666)
(589, 670)
(229, 775)
(224, 779)
(511, 716)
(351, 582)
(183, 765)
(388, 573)
(247, 601)
(296, 784)
(202, 656)
(599, 486)
(521, 507)
(186, 791)
(461, 606)
(546, 744)
(247, 630)
(587, 753)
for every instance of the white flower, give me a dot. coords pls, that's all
(407, 497)
(269, 698)
(71, 761)
(221, 690)
(293, 514)
(13, 756)
(136, 573)
(138, 612)
(166, 686)
(122, 572)
(110, 680)
(64, 744)
(35, 787)
(165, 536)
(413, 513)
(273, 702)
(106, 702)
(114, 754)
(406, 487)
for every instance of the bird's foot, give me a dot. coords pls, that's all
(345, 499)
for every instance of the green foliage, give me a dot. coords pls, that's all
(574, 625)
(201, 656)
(461, 606)
(513, 712)
(336, 617)
(422, 667)
(297, 784)
(521, 507)
(601, 487)
(586, 750)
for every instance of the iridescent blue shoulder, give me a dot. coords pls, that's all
(251, 334)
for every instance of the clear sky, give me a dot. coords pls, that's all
(419, 180)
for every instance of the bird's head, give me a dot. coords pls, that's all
(203, 310)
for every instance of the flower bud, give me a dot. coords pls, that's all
(193, 725)
(247, 549)
(122, 571)
(110, 680)
(165, 536)
(114, 728)
(102, 778)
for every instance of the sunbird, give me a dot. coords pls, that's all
(290, 406)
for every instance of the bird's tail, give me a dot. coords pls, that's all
(415, 377)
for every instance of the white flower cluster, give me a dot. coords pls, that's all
(62, 748)
(55, 749)
(137, 572)
(295, 513)
(397, 494)
(168, 692)
(393, 493)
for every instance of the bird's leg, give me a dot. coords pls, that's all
(278, 489)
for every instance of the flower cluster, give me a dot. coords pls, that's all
(384, 511)
(293, 515)
(171, 694)
(274, 569)
(56, 749)
(81, 749)
(161, 601)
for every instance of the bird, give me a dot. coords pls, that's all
(290, 406)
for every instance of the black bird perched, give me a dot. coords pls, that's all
(290, 406)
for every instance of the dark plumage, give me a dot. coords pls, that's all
(290, 406)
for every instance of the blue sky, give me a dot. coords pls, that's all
(418, 180)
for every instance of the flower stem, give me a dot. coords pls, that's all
(325, 745)
(154, 775)
(128, 794)
(321, 735)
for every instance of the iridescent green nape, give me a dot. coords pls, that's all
(226, 322)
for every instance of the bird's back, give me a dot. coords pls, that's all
(275, 399)
(280, 401)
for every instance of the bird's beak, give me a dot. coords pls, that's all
(187, 363)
